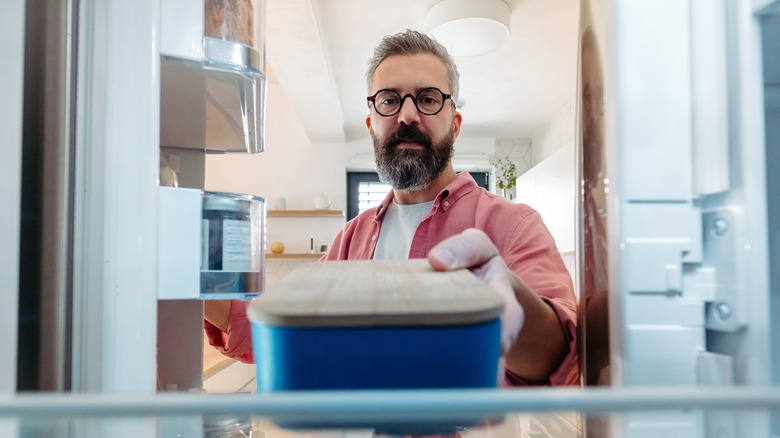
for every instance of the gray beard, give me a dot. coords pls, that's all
(412, 170)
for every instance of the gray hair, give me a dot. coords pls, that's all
(412, 42)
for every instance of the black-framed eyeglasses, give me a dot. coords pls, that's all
(428, 101)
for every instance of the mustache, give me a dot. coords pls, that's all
(409, 134)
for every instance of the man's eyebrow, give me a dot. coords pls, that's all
(416, 90)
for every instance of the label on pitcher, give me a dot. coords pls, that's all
(236, 245)
(204, 247)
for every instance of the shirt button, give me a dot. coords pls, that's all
(446, 203)
(373, 237)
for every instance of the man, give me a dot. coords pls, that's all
(435, 213)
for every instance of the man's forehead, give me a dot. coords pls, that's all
(416, 59)
(410, 72)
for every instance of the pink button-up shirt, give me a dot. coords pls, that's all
(516, 229)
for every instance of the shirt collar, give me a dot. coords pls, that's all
(455, 190)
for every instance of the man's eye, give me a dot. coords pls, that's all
(389, 101)
(429, 97)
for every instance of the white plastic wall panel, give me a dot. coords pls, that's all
(710, 96)
(115, 270)
(660, 336)
(660, 228)
(11, 79)
(132, 135)
(751, 347)
(181, 29)
(653, 99)
(131, 160)
(658, 238)
(664, 350)
(664, 310)
(179, 243)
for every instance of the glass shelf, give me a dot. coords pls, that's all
(556, 413)
(224, 96)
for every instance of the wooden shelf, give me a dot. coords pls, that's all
(305, 213)
(294, 255)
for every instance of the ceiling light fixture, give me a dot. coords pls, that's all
(468, 27)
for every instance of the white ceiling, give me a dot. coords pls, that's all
(318, 50)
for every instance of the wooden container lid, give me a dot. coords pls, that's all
(375, 293)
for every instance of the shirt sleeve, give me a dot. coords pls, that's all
(338, 249)
(237, 341)
(531, 253)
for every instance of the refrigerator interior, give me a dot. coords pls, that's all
(123, 369)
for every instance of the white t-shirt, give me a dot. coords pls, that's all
(398, 227)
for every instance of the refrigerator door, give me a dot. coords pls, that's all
(690, 208)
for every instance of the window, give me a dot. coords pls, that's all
(364, 190)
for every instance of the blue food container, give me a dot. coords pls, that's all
(376, 325)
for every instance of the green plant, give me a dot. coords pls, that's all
(506, 172)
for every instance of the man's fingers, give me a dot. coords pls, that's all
(466, 250)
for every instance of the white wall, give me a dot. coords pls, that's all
(553, 135)
(549, 186)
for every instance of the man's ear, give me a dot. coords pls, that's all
(368, 124)
(457, 120)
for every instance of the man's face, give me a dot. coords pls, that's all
(412, 149)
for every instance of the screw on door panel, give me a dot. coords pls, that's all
(720, 226)
(723, 311)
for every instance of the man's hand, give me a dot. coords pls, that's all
(539, 349)
(474, 250)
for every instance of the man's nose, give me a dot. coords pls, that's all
(408, 114)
